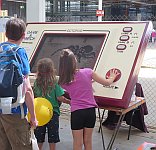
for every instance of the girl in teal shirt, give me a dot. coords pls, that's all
(46, 86)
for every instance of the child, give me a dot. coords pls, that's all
(46, 86)
(19, 127)
(78, 83)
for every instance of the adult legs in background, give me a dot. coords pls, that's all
(111, 121)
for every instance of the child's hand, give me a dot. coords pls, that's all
(113, 74)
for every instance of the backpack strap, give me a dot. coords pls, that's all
(22, 111)
(20, 100)
(14, 48)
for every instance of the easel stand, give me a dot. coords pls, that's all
(121, 112)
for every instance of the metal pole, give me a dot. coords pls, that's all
(100, 8)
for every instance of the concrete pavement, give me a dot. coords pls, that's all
(137, 137)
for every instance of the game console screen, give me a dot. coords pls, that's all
(85, 47)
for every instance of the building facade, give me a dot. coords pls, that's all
(14, 7)
(85, 10)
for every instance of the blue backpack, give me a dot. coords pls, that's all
(11, 78)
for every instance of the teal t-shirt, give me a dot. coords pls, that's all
(52, 96)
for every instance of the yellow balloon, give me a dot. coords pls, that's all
(43, 110)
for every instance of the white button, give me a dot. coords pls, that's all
(124, 38)
(121, 47)
(127, 29)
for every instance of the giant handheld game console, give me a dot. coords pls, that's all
(101, 46)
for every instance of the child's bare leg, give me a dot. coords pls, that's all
(40, 145)
(77, 139)
(52, 146)
(88, 138)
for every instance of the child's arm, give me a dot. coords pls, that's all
(104, 81)
(29, 100)
(63, 99)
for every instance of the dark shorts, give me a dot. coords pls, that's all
(52, 127)
(83, 118)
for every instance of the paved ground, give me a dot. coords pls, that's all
(137, 137)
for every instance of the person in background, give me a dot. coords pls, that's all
(46, 86)
(78, 83)
(15, 130)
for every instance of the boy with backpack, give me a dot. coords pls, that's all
(15, 130)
